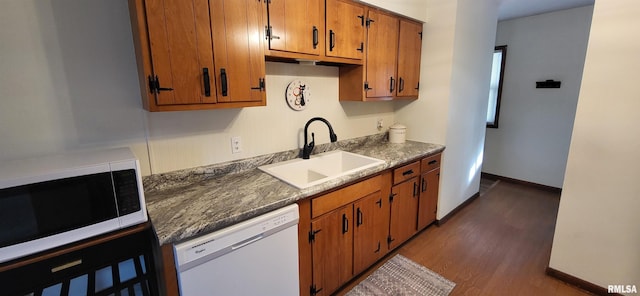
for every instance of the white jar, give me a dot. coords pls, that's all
(397, 133)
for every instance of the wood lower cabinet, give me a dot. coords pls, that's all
(332, 250)
(344, 232)
(371, 215)
(404, 211)
(197, 54)
(429, 187)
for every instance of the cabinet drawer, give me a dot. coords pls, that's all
(431, 162)
(333, 200)
(406, 172)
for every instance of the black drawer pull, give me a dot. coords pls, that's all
(332, 40)
(391, 85)
(409, 172)
(359, 217)
(345, 224)
(400, 84)
(207, 82)
(223, 81)
(433, 162)
(315, 37)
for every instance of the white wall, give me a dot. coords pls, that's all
(411, 8)
(456, 67)
(532, 141)
(67, 77)
(597, 236)
(68, 80)
(203, 137)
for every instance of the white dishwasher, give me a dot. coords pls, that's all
(255, 257)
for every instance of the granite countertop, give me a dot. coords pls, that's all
(188, 203)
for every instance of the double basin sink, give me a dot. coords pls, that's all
(319, 168)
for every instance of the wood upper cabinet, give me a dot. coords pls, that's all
(295, 26)
(371, 215)
(345, 27)
(238, 50)
(382, 52)
(409, 54)
(391, 68)
(198, 54)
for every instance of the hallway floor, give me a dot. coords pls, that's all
(497, 245)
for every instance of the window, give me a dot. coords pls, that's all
(495, 88)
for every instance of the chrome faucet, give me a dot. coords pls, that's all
(308, 148)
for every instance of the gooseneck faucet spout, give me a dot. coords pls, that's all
(308, 147)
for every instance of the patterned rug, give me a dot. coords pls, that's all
(401, 276)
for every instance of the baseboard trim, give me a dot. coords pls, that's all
(457, 209)
(522, 182)
(580, 283)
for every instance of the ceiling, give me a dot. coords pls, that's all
(510, 9)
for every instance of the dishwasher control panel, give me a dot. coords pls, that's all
(223, 241)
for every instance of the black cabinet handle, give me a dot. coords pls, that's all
(359, 217)
(223, 81)
(207, 82)
(361, 17)
(400, 84)
(418, 86)
(424, 185)
(409, 172)
(379, 203)
(345, 224)
(315, 37)
(378, 249)
(433, 162)
(391, 85)
(332, 40)
(361, 48)
(415, 189)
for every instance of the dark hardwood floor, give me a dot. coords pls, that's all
(498, 245)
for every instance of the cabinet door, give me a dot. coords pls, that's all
(239, 56)
(371, 215)
(332, 249)
(409, 52)
(181, 48)
(345, 29)
(293, 25)
(404, 212)
(428, 198)
(382, 51)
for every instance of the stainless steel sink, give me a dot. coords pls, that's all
(303, 173)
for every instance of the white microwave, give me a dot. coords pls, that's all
(55, 200)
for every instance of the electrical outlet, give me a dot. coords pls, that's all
(236, 144)
(379, 124)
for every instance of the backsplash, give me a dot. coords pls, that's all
(192, 175)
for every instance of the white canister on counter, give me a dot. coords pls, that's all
(397, 133)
